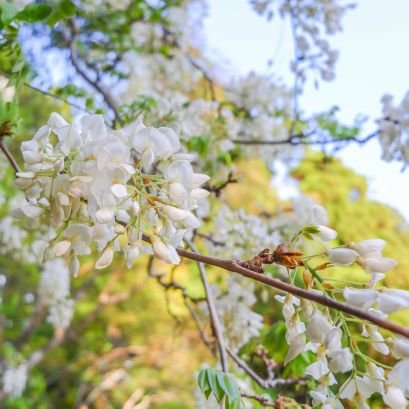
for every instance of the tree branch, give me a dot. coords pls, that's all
(266, 402)
(315, 296)
(8, 155)
(51, 95)
(217, 328)
(302, 139)
(107, 97)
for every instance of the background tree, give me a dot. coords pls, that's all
(82, 328)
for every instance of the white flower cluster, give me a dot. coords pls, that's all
(311, 21)
(15, 241)
(394, 129)
(15, 380)
(6, 92)
(54, 291)
(239, 322)
(311, 329)
(97, 186)
(321, 336)
(368, 254)
(394, 386)
(239, 235)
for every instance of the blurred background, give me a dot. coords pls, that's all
(133, 343)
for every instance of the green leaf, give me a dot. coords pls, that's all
(55, 17)
(228, 386)
(8, 12)
(202, 381)
(311, 229)
(234, 403)
(67, 8)
(33, 13)
(199, 144)
(216, 389)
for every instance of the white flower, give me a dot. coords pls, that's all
(401, 347)
(340, 360)
(318, 215)
(94, 186)
(54, 282)
(342, 256)
(131, 252)
(80, 236)
(318, 328)
(325, 233)
(371, 331)
(393, 300)
(333, 339)
(105, 259)
(317, 370)
(297, 346)
(361, 388)
(165, 252)
(377, 264)
(395, 398)
(399, 376)
(369, 248)
(360, 298)
(61, 313)
(15, 380)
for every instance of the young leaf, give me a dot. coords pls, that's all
(33, 13)
(216, 389)
(8, 12)
(67, 8)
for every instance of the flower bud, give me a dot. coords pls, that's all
(360, 298)
(340, 360)
(378, 264)
(368, 247)
(326, 234)
(318, 328)
(106, 259)
(341, 256)
(393, 300)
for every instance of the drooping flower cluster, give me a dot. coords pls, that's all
(311, 23)
(394, 129)
(328, 335)
(367, 254)
(97, 186)
(239, 322)
(240, 235)
(15, 380)
(54, 291)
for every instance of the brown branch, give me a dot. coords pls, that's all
(214, 318)
(209, 239)
(8, 155)
(200, 328)
(315, 296)
(217, 190)
(36, 318)
(171, 284)
(263, 400)
(302, 139)
(107, 97)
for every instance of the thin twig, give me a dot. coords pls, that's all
(8, 155)
(302, 139)
(261, 399)
(51, 95)
(214, 318)
(107, 97)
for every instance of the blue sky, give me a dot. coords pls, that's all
(374, 60)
